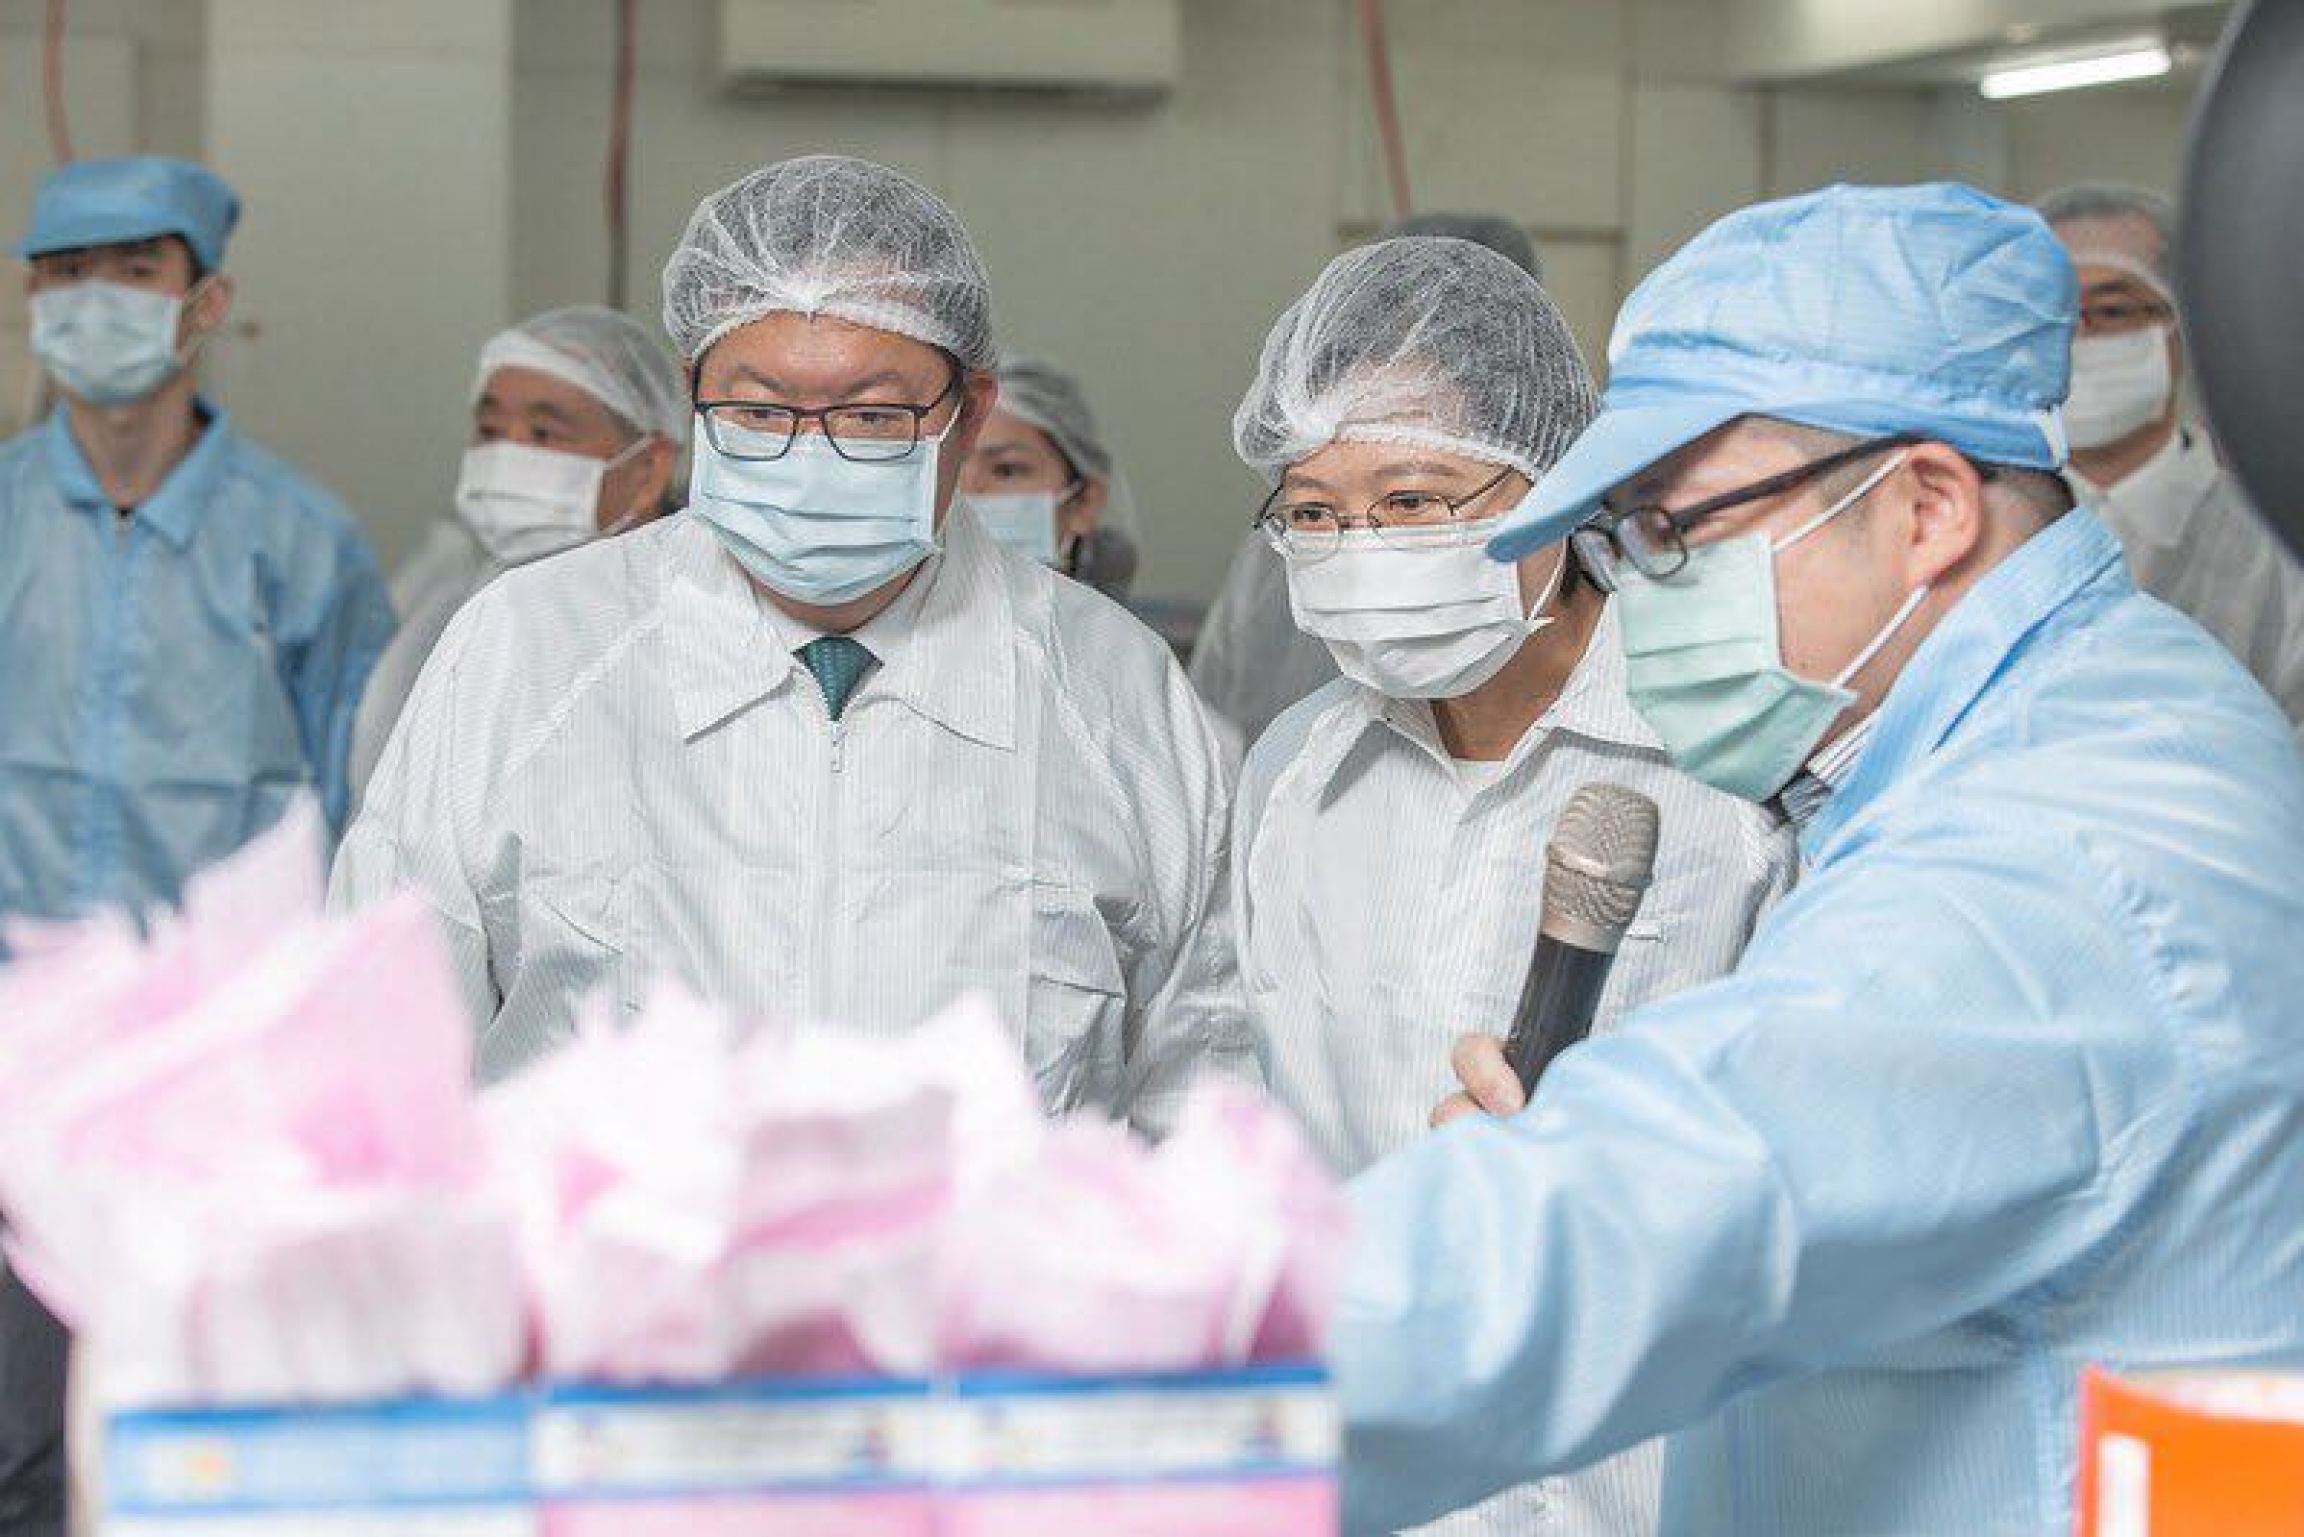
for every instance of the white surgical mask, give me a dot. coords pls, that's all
(524, 503)
(1418, 613)
(2119, 383)
(108, 343)
(813, 526)
(1023, 521)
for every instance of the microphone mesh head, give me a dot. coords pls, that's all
(1599, 862)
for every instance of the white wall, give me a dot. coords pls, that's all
(132, 77)
(1149, 245)
(2123, 133)
(371, 145)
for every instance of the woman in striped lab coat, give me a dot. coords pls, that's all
(1388, 847)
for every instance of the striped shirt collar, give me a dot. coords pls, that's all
(1593, 706)
(1826, 772)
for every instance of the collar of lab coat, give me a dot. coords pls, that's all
(1594, 706)
(1977, 644)
(2154, 507)
(946, 648)
(173, 510)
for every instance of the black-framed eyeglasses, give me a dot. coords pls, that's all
(865, 431)
(1308, 529)
(1653, 540)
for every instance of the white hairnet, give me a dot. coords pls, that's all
(1508, 238)
(1040, 391)
(606, 354)
(828, 235)
(2132, 229)
(1422, 339)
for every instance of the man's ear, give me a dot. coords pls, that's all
(1947, 521)
(658, 461)
(212, 305)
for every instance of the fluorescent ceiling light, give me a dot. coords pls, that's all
(2135, 59)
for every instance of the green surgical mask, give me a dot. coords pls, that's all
(1704, 662)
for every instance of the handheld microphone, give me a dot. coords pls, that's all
(1596, 869)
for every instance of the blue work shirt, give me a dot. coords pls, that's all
(168, 678)
(2011, 1084)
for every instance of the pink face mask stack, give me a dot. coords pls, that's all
(810, 1202)
(242, 1155)
(1101, 1255)
(244, 1158)
(694, 1208)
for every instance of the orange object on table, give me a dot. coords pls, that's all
(2192, 1454)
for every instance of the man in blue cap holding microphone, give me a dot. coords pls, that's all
(2009, 1085)
(186, 624)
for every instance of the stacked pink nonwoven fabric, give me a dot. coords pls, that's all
(244, 1156)
(806, 1201)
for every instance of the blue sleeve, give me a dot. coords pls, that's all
(336, 623)
(1938, 1081)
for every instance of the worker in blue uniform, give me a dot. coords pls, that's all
(2009, 1085)
(186, 624)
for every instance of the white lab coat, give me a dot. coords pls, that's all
(446, 570)
(445, 560)
(1387, 898)
(2193, 542)
(614, 767)
(1250, 661)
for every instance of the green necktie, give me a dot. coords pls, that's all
(838, 664)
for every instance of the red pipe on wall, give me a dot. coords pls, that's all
(1387, 106)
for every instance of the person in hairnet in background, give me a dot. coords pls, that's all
(2009, 1084)
(577, 419)
(1042, 481)
(1252, 661)
(1387, 846)
(186, 624)
(815, 745)
(2152, 476)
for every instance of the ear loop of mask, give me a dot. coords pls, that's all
(1537, 617)
(1864, 488)
(1912, 602)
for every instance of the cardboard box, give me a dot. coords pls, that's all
(1236, 1454)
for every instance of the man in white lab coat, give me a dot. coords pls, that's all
(2152, 476)
(817, 746)
(578, 415)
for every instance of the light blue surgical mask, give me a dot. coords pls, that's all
(108, 343)
(1023, 521)
(1704, 661)
(813, 526)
